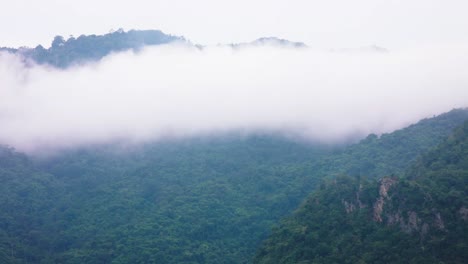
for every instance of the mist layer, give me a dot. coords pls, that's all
(178, 91)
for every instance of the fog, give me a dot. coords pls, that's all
(180, 91)
(320, 23)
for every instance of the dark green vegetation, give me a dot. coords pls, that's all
(421, 217)
(193, 201)
(390, 153)
(201, 200)
(72, 51)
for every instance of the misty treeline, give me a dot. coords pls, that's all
(206, 199)
(71, 51)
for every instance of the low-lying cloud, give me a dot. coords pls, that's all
(175, 90)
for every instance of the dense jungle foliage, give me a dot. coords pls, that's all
(191, 201)
(200, 200)
(423, 217)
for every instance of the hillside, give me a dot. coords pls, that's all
(392, 153)
(420, 217)
(25, 194)
(198, 200)
(206, 200)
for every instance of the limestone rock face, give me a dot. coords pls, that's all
(385, 184)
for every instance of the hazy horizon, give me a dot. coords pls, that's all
(321, 24)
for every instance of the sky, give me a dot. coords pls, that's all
(394, 24)
(177, 90)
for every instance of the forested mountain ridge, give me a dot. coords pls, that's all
(421, 217)
(73, 51)
(391, 153)
(64, 53)
(198, 200)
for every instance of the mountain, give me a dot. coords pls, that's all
(199, 200)
(270, 41)
(65, 53)
(419, 217)
(72, 51)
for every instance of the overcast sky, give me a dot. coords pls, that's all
(393, 24)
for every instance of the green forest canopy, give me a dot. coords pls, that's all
(205, 200)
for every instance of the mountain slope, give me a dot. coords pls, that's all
(198, 200)
(25, 193)
(191, 201)
(390, 153)
(420, 218)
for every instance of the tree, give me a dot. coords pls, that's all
(58, 41)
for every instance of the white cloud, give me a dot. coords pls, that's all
(179, 90)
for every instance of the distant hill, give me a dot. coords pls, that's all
(419, 217)
(270, 41)
(64, 53)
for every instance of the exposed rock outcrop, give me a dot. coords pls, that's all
(349, 207)
(385, 184)
(463, 213)
(358, 199)
(408, 225)
(438, 222)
